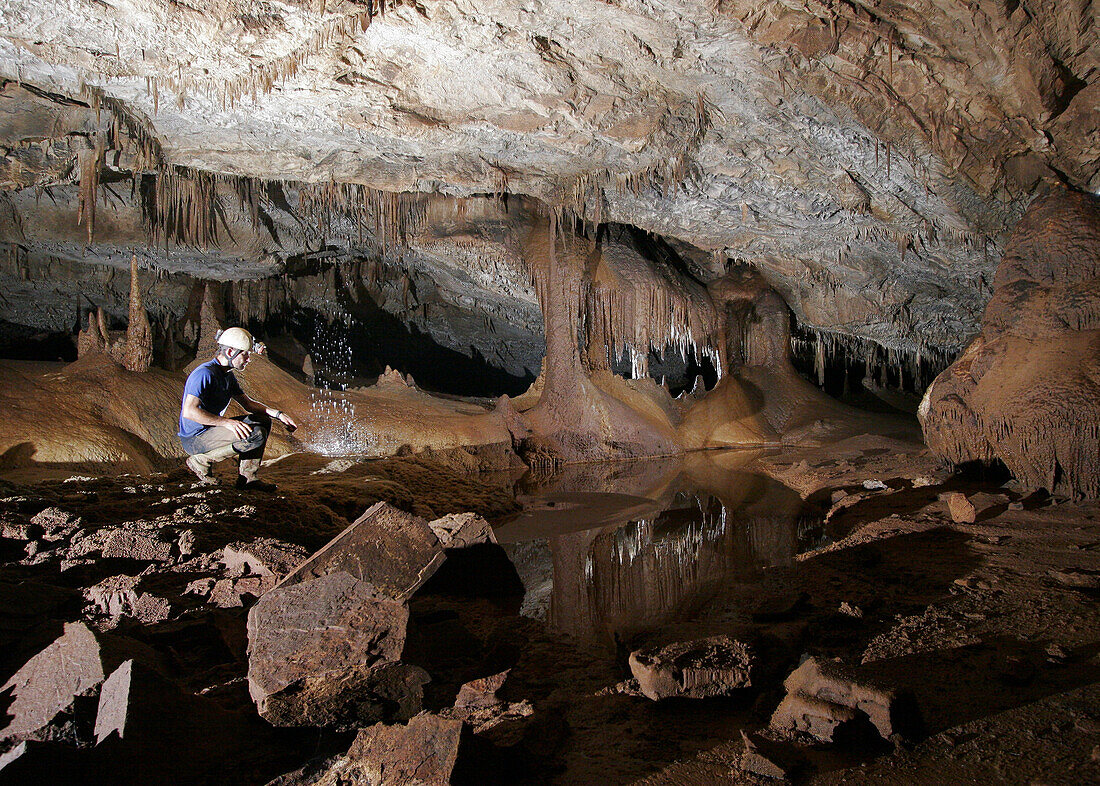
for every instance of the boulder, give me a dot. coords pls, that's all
(392, 550)
(118, 595)
(818, 718)
(459, 530)
(20, 529)
(481, 692)
(320, 642)
(351, 698)
(715, 666)
(56, 524)
(48, 683)
(824, 696)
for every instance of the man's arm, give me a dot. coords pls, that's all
(192, 410)
(259, 408)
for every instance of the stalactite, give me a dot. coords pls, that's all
(914, 369)
(90, 163)
(391, 217)
(639, 313)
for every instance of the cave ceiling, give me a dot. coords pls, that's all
(868, 157)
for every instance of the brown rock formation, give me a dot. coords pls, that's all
(134, 350)
(325, 652)
(1027, 389)
(393, 551)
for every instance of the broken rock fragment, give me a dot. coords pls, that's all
(118, 595)
(50, 681)
(125, 544)
(56, 524)
(263, 557)
(764, 758)
(392, 550)
(459, 530)
(317, 652)
(715, 666)
(481, 692)
(823, 697)
(960, 508)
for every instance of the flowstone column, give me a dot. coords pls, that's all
(575, 419)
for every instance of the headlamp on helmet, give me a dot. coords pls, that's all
(239, 340)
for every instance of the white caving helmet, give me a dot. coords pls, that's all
(238, 339)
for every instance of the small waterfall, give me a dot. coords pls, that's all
(337, 431)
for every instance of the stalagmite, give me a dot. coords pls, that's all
(138, 354)
(93, 339)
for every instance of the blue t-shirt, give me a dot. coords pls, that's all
(213, 385)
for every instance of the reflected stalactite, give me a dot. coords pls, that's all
(621, 581)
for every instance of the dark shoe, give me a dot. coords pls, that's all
(255, 484)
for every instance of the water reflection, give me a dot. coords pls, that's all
(615, 550)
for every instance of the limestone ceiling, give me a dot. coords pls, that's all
(868, 156)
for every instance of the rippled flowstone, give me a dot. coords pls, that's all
(1024, 391)
(715, 666)
(393, 550)
(823, 697)
(326, 652)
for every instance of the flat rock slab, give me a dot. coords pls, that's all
(49, 682)
(123, 544)
(715, 666)
(318, 635)
(392, 550)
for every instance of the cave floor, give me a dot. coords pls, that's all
(993, 625)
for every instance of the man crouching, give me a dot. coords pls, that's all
(206, 434)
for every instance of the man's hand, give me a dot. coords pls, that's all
(240, 429)
(288, 421)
